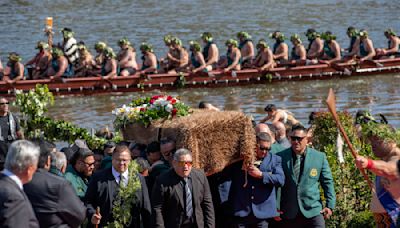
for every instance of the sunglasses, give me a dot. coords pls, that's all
(264, 148)
(4, 103)
(183, 163)
(296, 138)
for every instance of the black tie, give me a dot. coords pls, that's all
(189, 206)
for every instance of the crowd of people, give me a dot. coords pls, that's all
(77, 186)
(73, 59)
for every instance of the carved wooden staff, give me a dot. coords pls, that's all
(331, 102)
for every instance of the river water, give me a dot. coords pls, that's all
(22, 22)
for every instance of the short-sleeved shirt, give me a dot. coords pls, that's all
(5, 126)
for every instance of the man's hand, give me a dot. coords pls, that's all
(255, 172)
(96, 218)
(326, 212)
(278, 218)
(361, 162)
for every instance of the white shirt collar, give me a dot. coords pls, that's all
(116, 174)
(13, 177)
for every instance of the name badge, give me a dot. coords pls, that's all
(313, 172)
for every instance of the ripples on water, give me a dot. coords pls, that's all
(93, 20)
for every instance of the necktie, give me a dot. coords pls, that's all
(188, 193)
(296, 168)
(121, 181)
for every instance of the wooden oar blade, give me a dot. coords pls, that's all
(331, 101)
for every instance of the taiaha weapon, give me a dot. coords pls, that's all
(97, 213)
(331, 102)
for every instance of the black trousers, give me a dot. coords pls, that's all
(302, 222)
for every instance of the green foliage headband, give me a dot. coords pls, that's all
(109, 52)
(146, 47)
(42, 45)
(100, 46)
(57, 52)
(277, 35)
(295, 37)
(243, 34)
(363, 33)
(381, 131)
(195, 45)
(124, 41)
(232, 42)
(328, 36)
(176, 40)
(207, 36)
(352, 32)
(67, 33)
(312, 35)
(262, 43)
(14, 57)
(167, 39)
(390, 32)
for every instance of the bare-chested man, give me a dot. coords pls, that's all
(149, 65)
(246, 47)
(197, 62)
(233, 56)
(127, 58)
(41, 61)
(99, 58)
(275, 115)
(210, 51)
(299, 53)
(393, 45)
(365, 49)
(109, 68)
(59, 66)
(280, 49)
(180, 62)
(14, 70)
(85, 63)
(352, 33)
(316, 45)
(166, 63)
(265, 59)
(332, 52)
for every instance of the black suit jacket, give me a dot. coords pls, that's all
(168, 201)
(101, 192)
(15, 208)
(54, 201)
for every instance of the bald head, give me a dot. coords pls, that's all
(280, 129)
(262, 127)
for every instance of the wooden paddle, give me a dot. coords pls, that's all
(97, 213)
(331, 102)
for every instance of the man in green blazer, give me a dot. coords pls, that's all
(305, 171)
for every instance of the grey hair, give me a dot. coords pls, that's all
(21, 155)
(181, 152)
(58, 160)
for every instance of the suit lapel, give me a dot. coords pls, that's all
(307, 164)
(290, 165)
(179, 190)
(111, 185)
(195, 187)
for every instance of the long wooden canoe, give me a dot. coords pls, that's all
(96, 85)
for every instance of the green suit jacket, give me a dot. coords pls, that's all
(305, 194)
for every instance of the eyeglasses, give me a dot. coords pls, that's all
(264, 148)
(88, 164)
(296, 138)
(4, 103)
(183, 163)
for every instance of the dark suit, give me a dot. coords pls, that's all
(15, 209)
(168, 200)
(259, 195)
(101, 192)
(54, 201)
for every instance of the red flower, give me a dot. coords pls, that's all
(142, 109)
(152, 101)
(169, 98)
(174, 111)
(173, 101)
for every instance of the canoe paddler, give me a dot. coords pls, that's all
(70, 46)
(393, 45)
(149, 65)
(246, 47)
(210, 51)
(352, 33)
(40, 62)
(315, 46)
(110, 65)
(298, 53)
(280, 48)
(167, 63)
(366, 49)
(197, 62)
(233, 56)
(331, 48)
(181, 61)
(59, 66)
(127, 58)
(265, 58)
(14, 70)
(85, 63)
